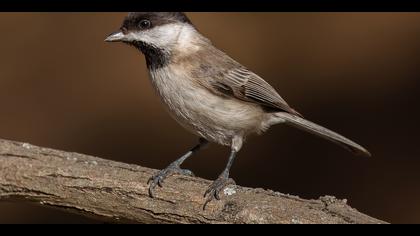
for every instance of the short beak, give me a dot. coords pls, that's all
(115, 37)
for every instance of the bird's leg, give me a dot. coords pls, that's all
(174, 168)
(213, 192)
(220, 183)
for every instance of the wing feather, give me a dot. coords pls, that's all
(221, 74)
(248, 86)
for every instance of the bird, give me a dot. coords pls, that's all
(209, 93)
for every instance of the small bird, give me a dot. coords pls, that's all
(207, 92)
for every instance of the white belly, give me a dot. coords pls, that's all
(205, 114)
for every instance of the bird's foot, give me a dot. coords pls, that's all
(213, 192)
(159, 178)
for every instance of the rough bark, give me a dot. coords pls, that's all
(117, 192)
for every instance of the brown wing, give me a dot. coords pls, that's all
(247, 86)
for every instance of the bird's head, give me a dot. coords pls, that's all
(161, 30)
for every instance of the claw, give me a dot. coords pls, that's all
(159, 178)
(214, 190)
(205, 204)
(216, 195)
(151, 192)
(207, 192)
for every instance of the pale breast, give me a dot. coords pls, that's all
(200, 111)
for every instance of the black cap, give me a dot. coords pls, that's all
(131, 22)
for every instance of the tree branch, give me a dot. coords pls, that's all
(115, 191)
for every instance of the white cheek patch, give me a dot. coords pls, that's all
(163, 36)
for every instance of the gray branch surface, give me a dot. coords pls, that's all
(117, 192)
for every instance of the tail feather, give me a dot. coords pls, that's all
(320, 131)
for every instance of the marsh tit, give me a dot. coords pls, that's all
(207, 92)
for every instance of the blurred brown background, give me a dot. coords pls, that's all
(61, 86)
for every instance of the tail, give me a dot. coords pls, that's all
(322, 132)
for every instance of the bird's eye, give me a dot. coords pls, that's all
(144, 24)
